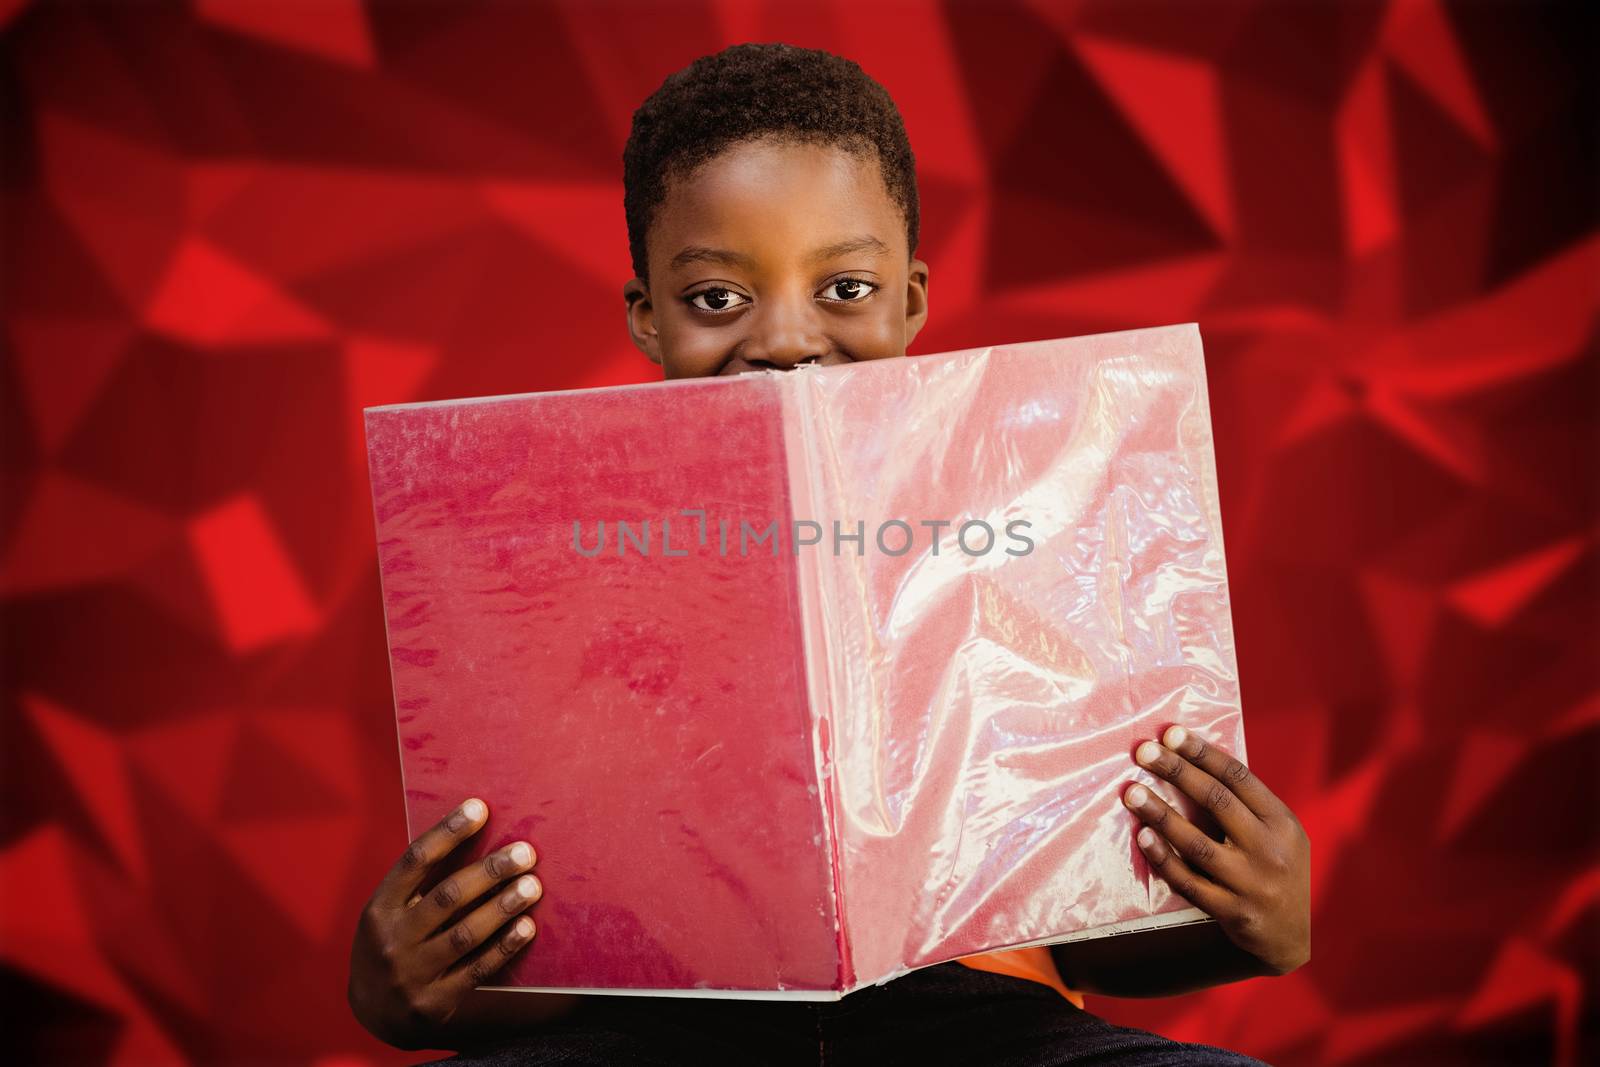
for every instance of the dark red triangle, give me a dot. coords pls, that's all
(267, 782)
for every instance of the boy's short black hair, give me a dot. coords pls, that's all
(747, 91)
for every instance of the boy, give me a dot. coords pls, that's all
(772, 214)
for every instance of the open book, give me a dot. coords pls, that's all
(800, 681)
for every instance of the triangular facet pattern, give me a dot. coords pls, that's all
(231, 224)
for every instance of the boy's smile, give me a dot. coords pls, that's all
(772, 254)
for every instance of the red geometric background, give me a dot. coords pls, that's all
(231, 224)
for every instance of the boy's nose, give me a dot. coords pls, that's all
(784, 338)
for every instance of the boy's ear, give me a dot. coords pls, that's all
(916, 298)
(642, 319)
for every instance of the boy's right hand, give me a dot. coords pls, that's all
(415, 957)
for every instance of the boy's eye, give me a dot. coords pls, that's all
(850, 289)
(716, 300)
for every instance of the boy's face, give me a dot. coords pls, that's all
(773, 254)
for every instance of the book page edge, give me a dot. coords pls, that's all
(709, 994)
(1184, 917)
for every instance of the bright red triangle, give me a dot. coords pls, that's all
(1494, 598)
(255, 587)
(1366, 164)
(207, 298)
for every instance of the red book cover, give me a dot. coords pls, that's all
(798, 681)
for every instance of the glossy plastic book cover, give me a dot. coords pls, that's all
(798, 681)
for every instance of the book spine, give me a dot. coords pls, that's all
(806, 470)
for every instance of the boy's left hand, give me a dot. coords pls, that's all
(1256, 882)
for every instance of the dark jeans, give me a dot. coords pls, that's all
(947, 1013)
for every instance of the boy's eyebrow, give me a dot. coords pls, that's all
(702, 254)
(865, 243)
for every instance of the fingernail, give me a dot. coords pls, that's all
(473, 810)
(524, 927)
(1148, 752)
(521, 854)
(1136, 796)
(527, 886)
(1176, 736)
(1147, 837)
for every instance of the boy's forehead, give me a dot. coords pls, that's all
(783, 194)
